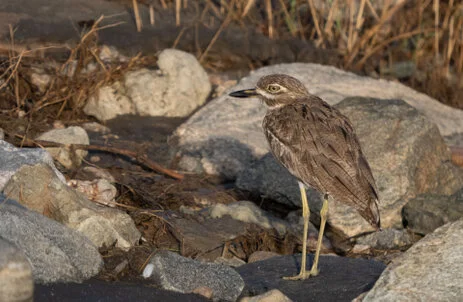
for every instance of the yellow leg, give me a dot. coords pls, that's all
(323, 214)
(305, 213)
(305, 216)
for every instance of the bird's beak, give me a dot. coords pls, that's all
(244, 93)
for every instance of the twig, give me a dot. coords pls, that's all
(330, 19)
(359, 21)
(268, 7)
(315, 21)
(138, 21)
(386, 42)
(141, 159)
(13, 71)
(179, 36)
(216, 35)
(436, 28)
(151, 9)
(351, 25)
(248, 6)
(386, 15)
(164, 5)
(178, 7)
(289, 22)
(372, 10)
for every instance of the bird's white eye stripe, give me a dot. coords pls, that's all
(266, 94)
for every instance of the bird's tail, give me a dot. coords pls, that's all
(375, 217)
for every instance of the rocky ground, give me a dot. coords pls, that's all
(170, 192)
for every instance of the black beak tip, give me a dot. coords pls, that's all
(243, 93)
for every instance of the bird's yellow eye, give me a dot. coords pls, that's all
(273, 88)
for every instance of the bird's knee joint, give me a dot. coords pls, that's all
(323, 213)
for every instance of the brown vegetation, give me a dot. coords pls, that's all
(423, 37)
(371, 36)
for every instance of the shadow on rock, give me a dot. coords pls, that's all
(223, 156)
(340, 279)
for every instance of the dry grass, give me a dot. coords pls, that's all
(71, 82)
(369, 35)
(361, 29)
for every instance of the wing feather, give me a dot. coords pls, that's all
(318, 145)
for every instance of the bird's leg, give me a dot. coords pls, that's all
(323, 214)
(305, 215)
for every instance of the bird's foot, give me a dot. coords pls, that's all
(303, 275)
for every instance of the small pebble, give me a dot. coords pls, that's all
(273, 295)
(203, 291)
(95, 158)
(261, 255)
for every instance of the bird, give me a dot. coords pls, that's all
(318, 145)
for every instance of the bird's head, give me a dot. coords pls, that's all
(275, 90)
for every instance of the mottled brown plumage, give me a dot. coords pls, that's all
(318, 145)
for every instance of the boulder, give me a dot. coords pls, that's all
(16, 282)
(174, 272)
(56, 252)
(340, 278)
(12, 159)
(427, 212)
(99, 290)
(225, 136)
(431, 270)
(387, 239)
(37, 188)
(70, 135)
(179, 87)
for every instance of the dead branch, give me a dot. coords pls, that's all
(141, 159)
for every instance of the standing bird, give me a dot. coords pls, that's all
(318, 145)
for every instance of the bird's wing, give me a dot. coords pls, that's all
(318, 145)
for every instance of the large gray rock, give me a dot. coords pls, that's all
(16, 282)
(225, 136)
(37, 188)
(340, 278)
(99, 290)
(388, 239)
(70, 135)
(431, 270)
(179, 87)
(427, 212)
(56, 253)
(406, 153)
(177, 273)
(12, 159)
